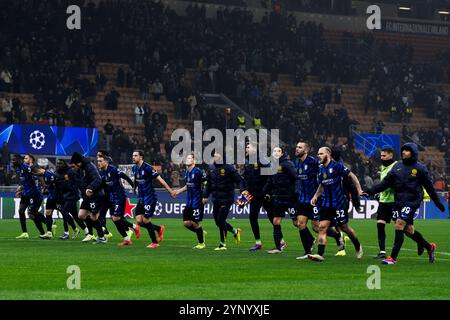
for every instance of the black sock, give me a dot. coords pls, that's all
(99, 227)
(229, 227)
(66, 226)
(127, 224)
(70, 222)
(223, 233)
(310, 236)
(49, 222)
(23, 222)
(38, 218)
(381, 236)
(191, 227)
(199, 232)
(88, 222)
(80, 222)
(156, 227)
(306, 242)
(331, 232)
(355, 242)
(277, 235)
(120, 228)
(151, 231)
(399, 237)
(417, 237)
(255, 228)
(103, 224)
(321, 249)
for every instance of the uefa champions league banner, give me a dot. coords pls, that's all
(49, 140)
(370, 142)
(167, 207)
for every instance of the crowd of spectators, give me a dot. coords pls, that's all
(226, 53)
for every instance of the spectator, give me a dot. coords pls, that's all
(6, 80)
(175, 178)
(120, 77)
(109, 130)
(157, 90)
(6, 105)
(139, 114)
(143, 89)
(338, 94)
(111, 99)
(100, 81)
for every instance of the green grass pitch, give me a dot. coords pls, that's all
(37, 269)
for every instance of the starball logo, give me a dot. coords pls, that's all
(232, 146)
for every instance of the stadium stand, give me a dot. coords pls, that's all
(325, 80)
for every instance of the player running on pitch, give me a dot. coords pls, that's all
(117, 198)
(408, 178)
(335, 203)
(194, 179)
(147, 198)
(30, 194)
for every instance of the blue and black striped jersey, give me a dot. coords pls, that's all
(330, 177)
(29, 182)
(50, 184)
(144, 176)
(307, 184)
(113, 184)
(194, 180)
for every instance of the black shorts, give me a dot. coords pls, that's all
(191, 214)
(117, 208)
(91, 204)
(307, 210)
(405, 213)
(338, 216)
(51, 204)
(33, 204)
(145, 209)
(280, 211)
(384, 211)
(105, 205)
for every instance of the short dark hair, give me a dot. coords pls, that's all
(140, 152)
(388, 149)
(104, 157)
(31, 156)
(76, 158)
(282, 148)
(103, 152)
(306, 144)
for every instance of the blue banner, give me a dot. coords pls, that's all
(167, 207)
(434, 29)
(370, 142)
(49, 140)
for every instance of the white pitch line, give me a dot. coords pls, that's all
(444, 253)
(168, 240)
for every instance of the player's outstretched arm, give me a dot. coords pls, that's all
(125, 177)
(166, 186)
(387, 182)
(427, 183)
(356, 183)
(181, 190)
